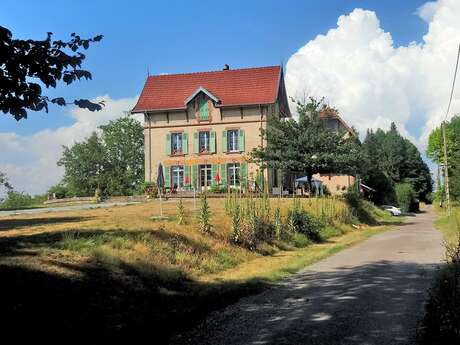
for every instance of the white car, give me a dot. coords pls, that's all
(392, 209)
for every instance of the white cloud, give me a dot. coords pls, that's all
(30, 161)
(359, 70)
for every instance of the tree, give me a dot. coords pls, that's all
(85, 166)
(390, 159)
(124, 145)
(306, 145)
(47, 62)
(112, 161)
(435, 151)
(4, 181)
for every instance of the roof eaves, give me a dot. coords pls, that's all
(197, 91)
(156, 110)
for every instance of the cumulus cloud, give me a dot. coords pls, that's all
(30, 161)
(359, 70)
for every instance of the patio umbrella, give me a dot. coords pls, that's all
(160, 184)
(217, 177)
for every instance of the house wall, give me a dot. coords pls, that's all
(336, 184)
(157, 125)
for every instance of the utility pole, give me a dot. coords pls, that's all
(446, 167)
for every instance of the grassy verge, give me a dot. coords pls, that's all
(441, 322)
(114, 274)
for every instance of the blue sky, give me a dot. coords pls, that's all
(182, 36)
(376, 61)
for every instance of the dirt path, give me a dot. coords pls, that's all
(372, 293)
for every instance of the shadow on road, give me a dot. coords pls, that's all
(370, 304)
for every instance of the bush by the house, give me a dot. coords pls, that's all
(148, 189)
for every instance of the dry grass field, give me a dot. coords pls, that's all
(112, 274)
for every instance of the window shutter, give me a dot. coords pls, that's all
(223, 174)
(224, 141)
(244, 174)
(168, 144)
(195, 142)
(184, 143)
(213, 174)
(167, 175)
(241, 140)
(203, 109)
(194, 181)
(212, 143)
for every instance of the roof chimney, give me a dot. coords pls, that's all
(226, 67)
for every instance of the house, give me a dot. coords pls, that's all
(201, 126)
(335, 183)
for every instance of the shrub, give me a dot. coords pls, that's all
(405, 196)
(60, 191)
(359, 208)
(304, 223)
(149, 189)
(218, 188)
(441, 323)
(15, 200)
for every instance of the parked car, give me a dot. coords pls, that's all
(392, 209)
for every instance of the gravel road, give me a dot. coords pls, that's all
(372, 293)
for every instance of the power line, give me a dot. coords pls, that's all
(446, 166)
(453, 84)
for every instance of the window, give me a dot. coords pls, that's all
(177, 176)
(205, 175)
(233, 172)
(176, 143)
(232, 140)
(204, 142)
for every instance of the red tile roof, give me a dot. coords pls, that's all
(232, 87)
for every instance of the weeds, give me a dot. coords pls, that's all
(204, 216)
(180, 212)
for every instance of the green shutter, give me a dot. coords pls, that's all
(212, 144)
(167, 175)
(195, 142)
(223, 174)
(184, 143)
(168, 144)
(214, 168)
(224, 141)
(241, 140)
(194, 181)
(244, 174)
(203, 109)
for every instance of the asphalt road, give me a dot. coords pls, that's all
(372, 293)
